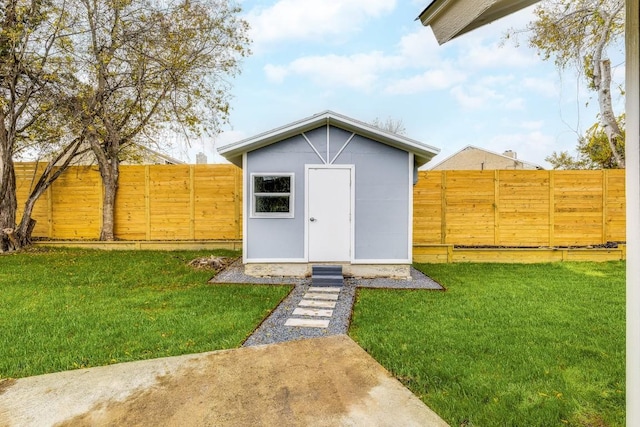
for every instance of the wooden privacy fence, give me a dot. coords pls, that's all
(520, 208)
(154, 202)
(472, 208)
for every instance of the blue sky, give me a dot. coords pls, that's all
(371, 59)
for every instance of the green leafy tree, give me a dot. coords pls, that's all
(580, 32)
(593, 149)
(145, 66)
(32, 102)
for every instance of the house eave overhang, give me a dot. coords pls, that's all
(451, 18)
(423, 153)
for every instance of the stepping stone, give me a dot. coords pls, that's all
(323, 289)
(314, 303)
(314, 312)
(326, 296)
(307, 323)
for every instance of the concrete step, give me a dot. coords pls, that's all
(321, 295)
(324, 289)
(307, 323)
(327, 281)
(326, 270)
(317, 303)
(312, 312)
(327, 275)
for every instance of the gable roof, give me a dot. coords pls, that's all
(422, 152)
(473, 147)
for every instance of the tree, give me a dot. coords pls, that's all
(390, 125)
(593, 149)
(144, 66)
(31, 101)
(579, 32)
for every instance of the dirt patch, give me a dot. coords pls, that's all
(211, 263)
(277, 386)
(6, 384)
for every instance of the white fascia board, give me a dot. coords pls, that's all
(234, 151)
(451, 18)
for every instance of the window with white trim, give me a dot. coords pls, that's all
(272, 195)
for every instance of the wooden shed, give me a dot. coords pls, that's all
(328, 189)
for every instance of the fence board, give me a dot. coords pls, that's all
(204, 202)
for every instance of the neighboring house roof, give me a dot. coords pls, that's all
(423, 153)
(467, 160)
(134, 154)
(451, 18)
(149, 156)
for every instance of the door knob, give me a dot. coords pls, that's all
(312, 219)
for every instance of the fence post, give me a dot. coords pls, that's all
(443, 204)
(192, 202)
(147, 203)
(605, 191)
(50, 211)
(552, 208)
(101, 205)
(496, 211)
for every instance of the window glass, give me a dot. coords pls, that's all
(272, 204)
(272, 195)
(272, 184)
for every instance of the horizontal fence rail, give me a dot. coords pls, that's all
(463, 208)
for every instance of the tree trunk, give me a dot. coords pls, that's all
(25, 228)
(51, 172)
(602, 83)
(110, 174)
(8, 207)
(109, 165)
(607, 117)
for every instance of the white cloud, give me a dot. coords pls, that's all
(529, 145)
(475, 54)
(543, 86)
(436, 79)
(514, 104)
(312, 19)
(275, 73)
(359, 71)
(419, 48)
(495, 80)
(473, 97)
(532, 125)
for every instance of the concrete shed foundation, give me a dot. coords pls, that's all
(392, 271)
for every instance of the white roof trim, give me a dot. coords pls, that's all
(524, 162)
(422, 152)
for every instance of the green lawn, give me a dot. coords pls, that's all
(63, 309)
(506, 345)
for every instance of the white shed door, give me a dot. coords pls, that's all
(329, 214)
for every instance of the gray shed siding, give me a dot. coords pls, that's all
(382, 186)
(278, 238)
(382, 199)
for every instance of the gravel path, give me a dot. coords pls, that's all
(272, 329)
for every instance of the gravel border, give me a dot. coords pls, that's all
(272, 329)
(234, 273)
